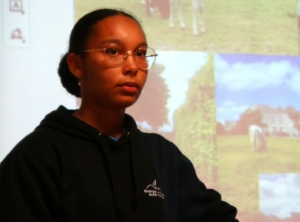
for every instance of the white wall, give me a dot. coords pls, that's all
(31, 65)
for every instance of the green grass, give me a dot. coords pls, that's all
(239, 167)
(232, 26)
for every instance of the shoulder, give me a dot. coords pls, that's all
(32, 157)
(158, 142)
(38, 146)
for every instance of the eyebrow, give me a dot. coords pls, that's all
(116, 41)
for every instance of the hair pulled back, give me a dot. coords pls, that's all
(77, 43)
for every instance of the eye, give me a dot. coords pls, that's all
(113, 51)
(141, 53)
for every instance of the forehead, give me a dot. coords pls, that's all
(120, 28)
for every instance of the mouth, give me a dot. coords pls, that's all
(129, 87)
(129, 84)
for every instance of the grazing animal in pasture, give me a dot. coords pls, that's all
(163, 6)
(167, 10)
(179, 4)
(198, 17)
(257, 138)
(197, 14)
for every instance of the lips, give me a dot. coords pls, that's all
(129, 84)
(129, 87)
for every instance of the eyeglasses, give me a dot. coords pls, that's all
(114, 56)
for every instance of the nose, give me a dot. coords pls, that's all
(130, 66)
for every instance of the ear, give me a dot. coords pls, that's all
(75, 64)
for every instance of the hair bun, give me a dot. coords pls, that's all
(68, 80)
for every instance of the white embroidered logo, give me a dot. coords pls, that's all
(154, 191)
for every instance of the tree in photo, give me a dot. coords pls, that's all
(195, 124)
(295, 116)
(151, 106)
(247, 118)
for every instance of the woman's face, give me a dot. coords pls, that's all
(106, 86)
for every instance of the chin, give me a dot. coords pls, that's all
(129, 102)
(128, 105)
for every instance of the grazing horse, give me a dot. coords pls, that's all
(163, 6)
(180, 14)
(257, 138)
(197, 14)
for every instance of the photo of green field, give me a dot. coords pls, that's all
(258, 134)
(239, 169)
(233, 26)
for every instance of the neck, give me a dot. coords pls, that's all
(108, 122)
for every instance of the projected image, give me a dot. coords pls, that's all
(235, 116)
(279, 195)
(264, 27)
(179, 102)
(166, 88)
(258, 122)
(258, 90)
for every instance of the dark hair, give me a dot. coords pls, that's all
(78, 38)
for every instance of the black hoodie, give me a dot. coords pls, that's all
(66, 170)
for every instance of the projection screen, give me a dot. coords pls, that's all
(225, 88)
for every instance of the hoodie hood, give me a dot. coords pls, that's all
(63, 120)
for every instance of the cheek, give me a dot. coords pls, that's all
(143, 78)
(99, 81)
(92, 72)
(94, 63)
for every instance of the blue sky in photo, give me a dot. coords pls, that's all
(245, 79)
(279, 194)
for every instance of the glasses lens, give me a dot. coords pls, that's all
(145, 57)
(113, 56)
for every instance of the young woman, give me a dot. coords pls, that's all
(93, 164)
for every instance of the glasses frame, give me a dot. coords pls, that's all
(125, 56)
